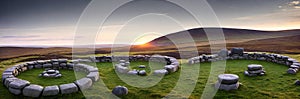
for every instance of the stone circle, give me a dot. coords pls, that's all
(18, 86)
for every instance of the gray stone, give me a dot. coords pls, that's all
(253, 67)
(84, 83)
(51, 90)
(94, 76)
(68, 88)
(228, 78)
(33, 90)
(223, 53)
(297, 82)
(142, 73)
(226, 86)
(256, 71)
(120, 91)
(15, 91)
(171, 68)
(133, 72)
(142, 66)
(19, 84)
(38, 66)
(237, 51)
(291, 71)
(121, 69)
(48, 65)
(8, 81)
(160, 72)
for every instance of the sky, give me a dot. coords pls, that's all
(54, 22)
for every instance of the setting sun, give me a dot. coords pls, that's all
(143, 40)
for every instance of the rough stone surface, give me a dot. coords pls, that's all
(120, 91)
(19, 84)
(142, 72)
(133, 72)
(160, 72)
(228, 78)
(33, 90)
(51, 90)
(297, 82)
(8, 81)
(93, 75)
(84, 83)
(291, 71)
(68, 88)
(226, 86)
(15, 91)
(253, 67)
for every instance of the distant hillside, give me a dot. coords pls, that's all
(231, 35)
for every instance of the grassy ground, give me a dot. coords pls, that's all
(276, 84)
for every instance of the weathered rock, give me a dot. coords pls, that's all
(15, 91)
(160, 72)
(291, 71)
(33, 90)
(8, 81)
(237, 51)
(223, 53)
(93, 75)
(120, 91)
(254, 67)
(19, 84)
(142, 72)
(142, 66)
(51, 90)
(297, 82)
(171, 68)
(256, 71)
(84, 83)
(226, 86)
(68, 88)
(228, 78)
(133, 72)
(121, 69)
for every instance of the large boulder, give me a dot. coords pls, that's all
(51, 90)
(292, 71)
(68, 88)
(228, 78)
(120, 91)
(19, 84)
(33, 90)
(237, 51)
(160, 72)
(15, 91)
(93, 75)
(84, 83)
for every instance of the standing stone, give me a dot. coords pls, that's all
(120, 91)
(33, 90)
(51, 91)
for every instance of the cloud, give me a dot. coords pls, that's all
(14, 36)
(294, 4)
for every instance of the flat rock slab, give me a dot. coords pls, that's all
(19, 84)
(227, 87)
(84, 83)
(33, 90)
(68, 88)
(228, 78)
(51, 91)
(253, 67)
(93, 75)
(160, 72)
